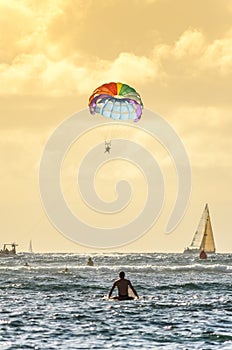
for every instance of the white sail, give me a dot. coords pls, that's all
(203, 238)
(30, 247)
(208, 243)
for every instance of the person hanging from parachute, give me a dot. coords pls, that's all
(107, 146)
(117, 101)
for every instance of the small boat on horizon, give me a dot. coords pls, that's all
(203, 239)
(30, 249)
(8, 252)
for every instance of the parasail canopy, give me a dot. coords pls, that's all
(117, 101)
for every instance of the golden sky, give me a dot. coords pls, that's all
(178, 56)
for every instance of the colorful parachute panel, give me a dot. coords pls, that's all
(117, 101)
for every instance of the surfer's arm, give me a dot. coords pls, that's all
(112, 289)
(133, 290)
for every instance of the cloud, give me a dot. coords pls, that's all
(37, 74)
(218, 55)
(190, 43)
(37, 57)
(196, 54)
(128, 67)
(48, 50)
(16, 21)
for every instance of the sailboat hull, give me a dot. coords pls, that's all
(196, 251)
(191, 251)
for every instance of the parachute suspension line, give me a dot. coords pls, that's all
(128, 107)
(107, 108)
(117, 101)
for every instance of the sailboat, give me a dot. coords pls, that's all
(203, 238)
(30, 247)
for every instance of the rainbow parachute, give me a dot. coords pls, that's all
(117, 101)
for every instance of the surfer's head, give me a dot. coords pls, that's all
(122, 274)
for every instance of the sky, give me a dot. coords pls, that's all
(176, 54)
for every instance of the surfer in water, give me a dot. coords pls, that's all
(90, 262)
(122, 284)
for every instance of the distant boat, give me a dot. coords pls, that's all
(203, 238)
(8, 252)
(30, 247)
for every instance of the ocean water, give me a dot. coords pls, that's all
(185, 302)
